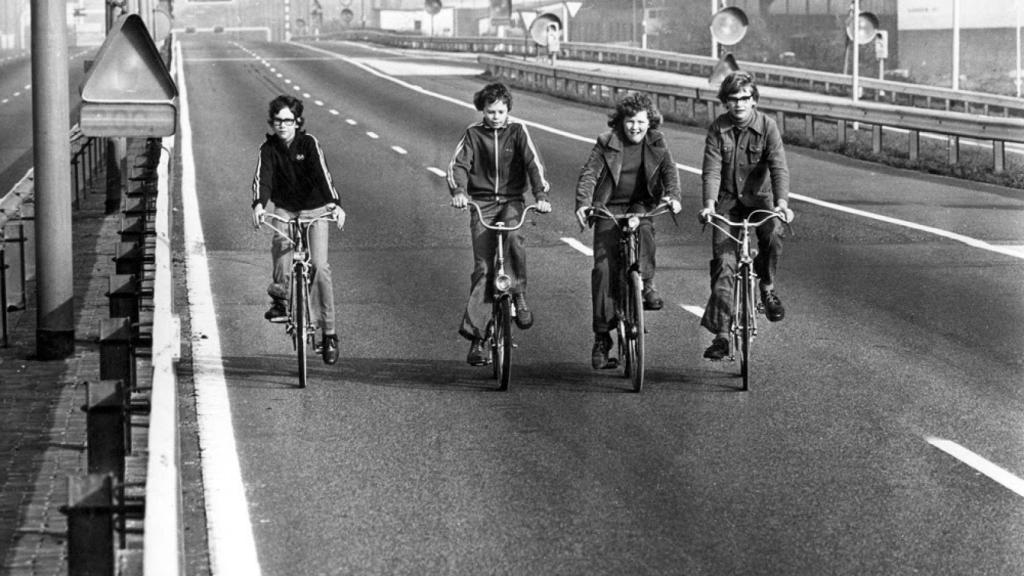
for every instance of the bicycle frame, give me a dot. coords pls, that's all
(629, 290)
(745, 303)
(298, 325)
(502, 308)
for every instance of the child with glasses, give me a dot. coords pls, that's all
(292, 174)
(744, 170)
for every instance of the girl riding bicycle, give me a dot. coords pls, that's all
(630, 169)
(292, 174)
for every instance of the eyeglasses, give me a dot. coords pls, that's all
(738, 99)
(282, 121)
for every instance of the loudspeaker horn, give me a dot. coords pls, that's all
(729, 25)
(868, 25)
(539, 27)
(727, 65)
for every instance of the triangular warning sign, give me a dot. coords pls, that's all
(128, 68)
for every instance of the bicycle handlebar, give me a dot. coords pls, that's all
(329, 215)
(602, 212)
(503, 227)
(747, 223)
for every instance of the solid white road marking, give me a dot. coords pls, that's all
(232, 545)
(993, 471)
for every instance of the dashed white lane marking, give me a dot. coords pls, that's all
(579, 246)
(232, 545)
(372, 135)
(334, 112)
(437, 171)
(695, 310)
(399, 149)
(993, 471)
(351, 122)
(318, 102)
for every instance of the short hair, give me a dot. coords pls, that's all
(735, 82)
(631, 105)
(286, 101)
(492, 93)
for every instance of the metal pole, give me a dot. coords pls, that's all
(1017, 30)
(55, 290)
(956, 44)
(714, 43)
(856, 50)
(643, 24)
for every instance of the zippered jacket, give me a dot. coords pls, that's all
(498, 163)
(293, 177)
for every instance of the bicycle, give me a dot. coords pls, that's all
(298, 325)
(745, 303)
(502, 308)
(629, 294)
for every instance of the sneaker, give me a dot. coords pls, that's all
(599, 359)
(478, 355)
(773, 307)
(278, 312)
(718, 350)
(652, 301)
(524, 318)
(330, 348)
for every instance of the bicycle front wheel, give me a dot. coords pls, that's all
(502, 342)
(745, 317)
(636, 328)
(300, 290)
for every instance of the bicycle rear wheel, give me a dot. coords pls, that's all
(636, 328)
(502, 342)
(300, 288)
(745, 316)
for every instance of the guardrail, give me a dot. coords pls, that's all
(689, 101)
(892, 92)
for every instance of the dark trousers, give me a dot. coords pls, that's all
(718, 312)
(604, 278)
(481, 281)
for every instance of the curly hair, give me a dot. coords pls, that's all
(735, 82)
(286, 101)
(631, 105)
(492, 93)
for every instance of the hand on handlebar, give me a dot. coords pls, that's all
(543, 206)
(257, 215)
(582, 215)
(704, 216)
(460, 200)
(785, 214)
(339, 216)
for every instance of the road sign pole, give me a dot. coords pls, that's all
(55, 327)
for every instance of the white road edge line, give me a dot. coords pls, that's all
(993, 471)
(232, 545)
(972, 242)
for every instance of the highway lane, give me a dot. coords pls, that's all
(401, 459)
(16, 112)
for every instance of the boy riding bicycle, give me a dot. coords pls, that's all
(292, 174)
(630, 169)
(744, 170)
(494, 164)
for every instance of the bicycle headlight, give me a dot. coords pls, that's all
(502, 282)
(634, 222)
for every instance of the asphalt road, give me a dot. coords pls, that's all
(898, 364)
(16, 111)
